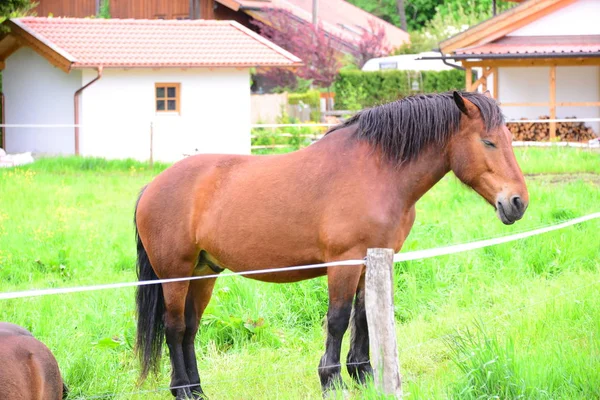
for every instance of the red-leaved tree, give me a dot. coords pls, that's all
(310, 43)
(373, 43)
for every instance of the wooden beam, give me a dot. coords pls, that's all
(207, 9)
(2, 65)
(9, 50)
(561, 104)
(41, 48)
(533, 62)
(495, 87)
(231, 4)
(468, 78)
(552, 101)
(579, 104)
(482, 81)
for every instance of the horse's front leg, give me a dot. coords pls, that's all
(358, 363)
(342, 282)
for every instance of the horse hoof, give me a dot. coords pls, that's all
(361, 374)
(183, 394)
(199, 395)
(335, 389)
(340, 394)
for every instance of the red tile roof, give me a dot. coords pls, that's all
(338, 17)
(155, 43)
(523, 46)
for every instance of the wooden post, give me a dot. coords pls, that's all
(495, 77)
(379, 304)
(552, 101)
(484, 82)
(151, 144)
(469, 78)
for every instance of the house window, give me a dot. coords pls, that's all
(168, 97)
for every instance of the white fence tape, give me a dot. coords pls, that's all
(76, 289)
(441, 251)
(408, 256)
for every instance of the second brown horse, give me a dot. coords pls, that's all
(28, 369)
(354, 189)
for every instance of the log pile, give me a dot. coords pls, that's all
(540, 131)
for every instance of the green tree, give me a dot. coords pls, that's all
(402, 14)
(420, 12)
(15, 8)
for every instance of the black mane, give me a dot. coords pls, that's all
(402, 129)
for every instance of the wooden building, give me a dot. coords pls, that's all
(339, 18)
(541, 57)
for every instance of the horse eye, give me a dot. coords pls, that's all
(488, 143)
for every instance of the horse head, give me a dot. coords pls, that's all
(482, 157)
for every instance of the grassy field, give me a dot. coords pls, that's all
(520, 320)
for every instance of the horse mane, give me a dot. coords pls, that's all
(403, 128)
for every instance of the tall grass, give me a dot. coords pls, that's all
(68, 221)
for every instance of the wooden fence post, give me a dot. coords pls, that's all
(379, 304)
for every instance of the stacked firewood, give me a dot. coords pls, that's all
(540, 131)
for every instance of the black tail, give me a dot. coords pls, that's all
(65, 391)
(150, 310)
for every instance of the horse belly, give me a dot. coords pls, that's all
(257, 235)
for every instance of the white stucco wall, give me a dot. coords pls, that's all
(36, 92)
(118, 109)
(531, 84)
(579, 18)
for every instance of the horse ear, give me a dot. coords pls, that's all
(465, 106)
(460, 102)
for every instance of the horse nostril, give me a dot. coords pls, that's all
(517, 203)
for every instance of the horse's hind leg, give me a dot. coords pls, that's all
(175, 295)
(358, 364)
(199, 295)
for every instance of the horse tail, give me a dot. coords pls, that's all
(65, 393)
(150, 305)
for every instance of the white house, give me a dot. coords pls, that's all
(541, 57)
(130, 87)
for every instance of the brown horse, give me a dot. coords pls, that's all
(29, 371)
(354, 189)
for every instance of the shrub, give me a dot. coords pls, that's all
(312, 98)
(360, 89)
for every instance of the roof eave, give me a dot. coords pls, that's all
(56, 56)
(502, 24)
(268, 43)
(523, 55)
(154, 66)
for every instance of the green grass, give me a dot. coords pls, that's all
(519, 319)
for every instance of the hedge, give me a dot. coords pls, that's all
(360, 89)
(311, 97)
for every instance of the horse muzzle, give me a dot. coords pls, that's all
(510, 209)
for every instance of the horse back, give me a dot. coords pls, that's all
(6, 328)
(33, 372)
